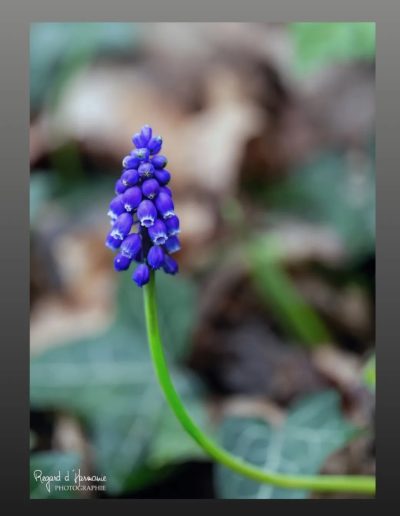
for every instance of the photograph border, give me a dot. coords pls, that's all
(14, 100)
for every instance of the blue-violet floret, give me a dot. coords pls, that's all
(173, 244)
(141, 275)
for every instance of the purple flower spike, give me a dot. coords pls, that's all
(121, 262)
(150, 188)
(122, 226)
(146, 134)
(130, 177)
(165, 205)
(155, 145)
(158, 232)
(155, 257)
(132, 198)
(141, 275)
(170, 266)
(172, 245)
(146, 170)
(162, 176)
(159, 161)
(147, 213)
(144, 201)
(172, 226)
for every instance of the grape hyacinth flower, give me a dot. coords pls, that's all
(145, 230)
(144, 223)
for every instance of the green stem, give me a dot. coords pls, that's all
(324, 483)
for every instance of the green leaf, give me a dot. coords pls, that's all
(276, 288)
(110, 384)
(108, 381)
(312, 431)
(317, 45)
(52, 463)
(176, 301)
(369, 373)
(330, 192)
(171, 445)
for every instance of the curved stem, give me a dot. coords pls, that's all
(324, 483)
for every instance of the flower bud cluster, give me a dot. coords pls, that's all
(145, 227)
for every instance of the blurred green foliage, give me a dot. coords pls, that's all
(329, 191)
(314, 429)
(58, 50)
(276, 288)
(79, 200)
(332, 192)
(108, 382)
(318, 45)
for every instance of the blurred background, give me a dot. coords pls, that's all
(269, 327)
